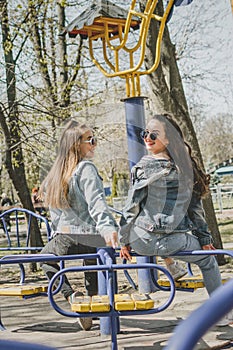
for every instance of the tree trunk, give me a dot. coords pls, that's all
(10, 125)
(168, 97)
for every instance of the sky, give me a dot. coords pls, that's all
(207, 29)
(209, 53)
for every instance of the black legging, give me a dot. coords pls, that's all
(64, 244)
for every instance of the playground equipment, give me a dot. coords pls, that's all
(110, 25)
(108, 305)
(18, 240)
(189, 331)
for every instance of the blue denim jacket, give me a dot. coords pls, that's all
(162, 201)
(88, 212)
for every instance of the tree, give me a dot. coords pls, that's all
(10, 124)
(167, 95)
(218, 131)
(45, 80)
(46, 19)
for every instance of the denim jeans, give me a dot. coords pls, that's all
(150, 244)
(64, 244)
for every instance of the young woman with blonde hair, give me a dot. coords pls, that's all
(74, 193)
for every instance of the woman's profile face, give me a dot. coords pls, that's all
(158, 145)
(86, 147)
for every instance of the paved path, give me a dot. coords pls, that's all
(36, 322)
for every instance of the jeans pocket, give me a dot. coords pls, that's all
(171, 244)
(141, 241)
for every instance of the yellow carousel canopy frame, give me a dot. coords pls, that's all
(111, 25)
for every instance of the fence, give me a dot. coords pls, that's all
(222, 196)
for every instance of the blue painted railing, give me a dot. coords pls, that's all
(11, 345)
(189, 331)
(22, 244)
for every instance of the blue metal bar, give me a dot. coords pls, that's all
(129, 278)
(17, 228)
(20, 248)
(29, 213)
(190, 272)
(2, 328)
(28, 229)
(189, 331)
(113, 267)
(111, 291)
(112, 314)
(106, 255)
(11, 344)
(22, 273)
(109, 268)
(135, 123)
(205, 252)
(28, 258)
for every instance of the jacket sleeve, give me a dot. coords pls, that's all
(92, 188)
(132, 207)
(55, 215)
(196, 215)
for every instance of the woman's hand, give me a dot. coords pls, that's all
(111, 240)
(125, 252)
(208, 247)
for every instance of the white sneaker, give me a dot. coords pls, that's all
(71, 298)
(85, 323)
(226, 320)
(176, 270)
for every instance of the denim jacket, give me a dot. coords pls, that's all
(88, 212)
(161, 201)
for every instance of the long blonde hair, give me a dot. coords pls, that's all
(54, 189)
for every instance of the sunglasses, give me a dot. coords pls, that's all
(92, 141)
(145, 133)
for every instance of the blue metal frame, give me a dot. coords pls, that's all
(11, 345)
(112, 314)
(29, 258)
(189, 331)
(109, 280)
(135, 123)
(30, 214)
(109, 270)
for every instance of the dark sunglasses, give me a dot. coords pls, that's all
(92, 141)
(145, 133)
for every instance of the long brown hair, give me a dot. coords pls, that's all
(178, 152)
(54, 189)
(201, 179)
